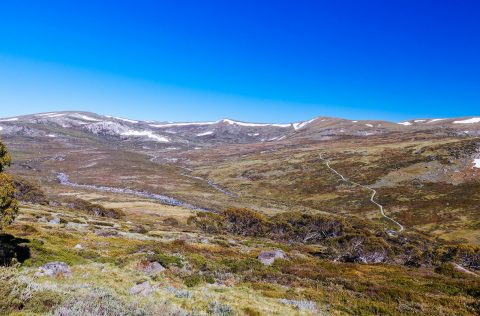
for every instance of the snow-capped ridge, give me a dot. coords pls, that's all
(182, 124)
(232, 122)
(472, 120)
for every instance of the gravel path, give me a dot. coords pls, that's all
(372, 197)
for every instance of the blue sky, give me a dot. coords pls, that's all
(277, 61)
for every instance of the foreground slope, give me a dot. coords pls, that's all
(113, 198)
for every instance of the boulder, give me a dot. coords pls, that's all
(269, 257)
(54, 269)
(151, 268)
(54, 221)
(143, 289)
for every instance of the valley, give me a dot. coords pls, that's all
(361, 217)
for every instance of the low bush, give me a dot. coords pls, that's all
(94, 209)
(27, 191)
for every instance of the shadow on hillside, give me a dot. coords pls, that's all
(13, 249)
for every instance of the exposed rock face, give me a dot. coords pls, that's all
(269, 257)
(143, 289)
(54, 269)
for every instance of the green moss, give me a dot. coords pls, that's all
(166, 260)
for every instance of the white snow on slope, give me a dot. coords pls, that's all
(300, 125)
(405, 123)
(46, 114)
(182, 124)
(10, 119)
(369, 125)
(126, 120)
(436, 120)
(55, 115)
(232, 122)
(122, 119)
(205, 133)
(1, 128)
(148, 134)
(468, 121)
(476, 163)
(51, 135)
(86, 118)
(419, 121)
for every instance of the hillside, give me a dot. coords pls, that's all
(362, 217)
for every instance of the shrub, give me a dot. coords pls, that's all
(245, 222)
(94, 209)
(43, 302)
(216, 308)
(8, 202)
(28, 192)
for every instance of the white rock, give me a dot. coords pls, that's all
(269, 257)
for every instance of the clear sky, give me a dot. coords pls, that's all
(252, 60)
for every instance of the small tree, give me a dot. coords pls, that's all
(8, 203)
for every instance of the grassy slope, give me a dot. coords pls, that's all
(205, 269)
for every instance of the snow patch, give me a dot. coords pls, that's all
(205, 133)
(51, 135)
(55, 115)
(468, 121)
(86, 118)
(122, 119)
(276, 138)
(369, 125)
(10, 119)
(436, 120)
(46, 114)
(232, 122)
(148, 134)
(419, 121)
(476, 163)
(182, 124)
(300, 125)
(405, 123)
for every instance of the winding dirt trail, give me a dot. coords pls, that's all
(372, 197)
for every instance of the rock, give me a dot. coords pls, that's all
(151, 268)
(54, 269)
(269, 257)
(78, 247)
(143, 289)
(54, 221)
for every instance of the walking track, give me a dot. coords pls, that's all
(372, 197)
